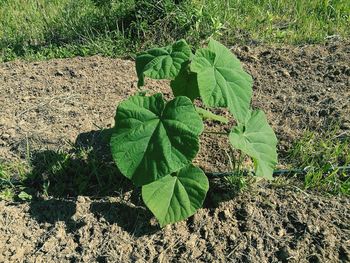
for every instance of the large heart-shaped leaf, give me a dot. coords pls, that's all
(176, 197)
(222, 81)
(151, 139)
(162, 63)
(257, 139)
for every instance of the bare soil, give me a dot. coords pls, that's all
(47, 105)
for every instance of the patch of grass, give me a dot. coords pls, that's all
(12, 180)
(39, 29)
(322, 155)
(283, 21)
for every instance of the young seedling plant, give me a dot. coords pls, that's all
(154, 141)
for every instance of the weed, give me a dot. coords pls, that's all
(323, 155)
(12, 177)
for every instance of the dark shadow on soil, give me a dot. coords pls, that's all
(219, 192)
(86, 169)
(98, 140)
(136, 220)
(55, 210)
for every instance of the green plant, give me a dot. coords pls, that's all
(323, 156)
(12, 181)
(154, 142)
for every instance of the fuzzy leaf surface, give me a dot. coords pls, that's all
(176, 197)
(152, 139)
(162, 63)
(257, 139)
(222, 81)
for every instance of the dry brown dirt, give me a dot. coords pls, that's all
(46, 105)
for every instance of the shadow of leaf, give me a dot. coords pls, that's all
(55, 210)
(86, 169)
(136, 220)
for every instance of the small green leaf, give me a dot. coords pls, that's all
(185, 83)
(7, 194)
(211, 116)
(162, 63)
(24, 196)
(176, 197)
(222, 81)
(152, 139)
(257, 139)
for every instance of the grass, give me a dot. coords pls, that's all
(39, 29)
(325, 158)
(322, 155)
(12, 177)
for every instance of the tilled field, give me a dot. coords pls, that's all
(48, 105)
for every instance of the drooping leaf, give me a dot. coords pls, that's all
(176, 197)
(221, 79)
(162, 63)
(152, 139)
(257, 139)
(185, 83)
(211, 116)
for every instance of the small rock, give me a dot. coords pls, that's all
(284, 73)
(336, 72)
(345, 125)
(322, 113)
(282, 98)
(265, 53)
(314, 259)
(314, 97)
(282, 254)
(245, 48)
(331, 77)
(11, 132)
(72, 73)
(224, 215)
(2, 143)
(347, 71)
(59, 73)
(252, 59)
(82, 199)
(5, 136)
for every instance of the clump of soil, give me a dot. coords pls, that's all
(48, 105)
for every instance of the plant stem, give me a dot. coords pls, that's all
(218, 133)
